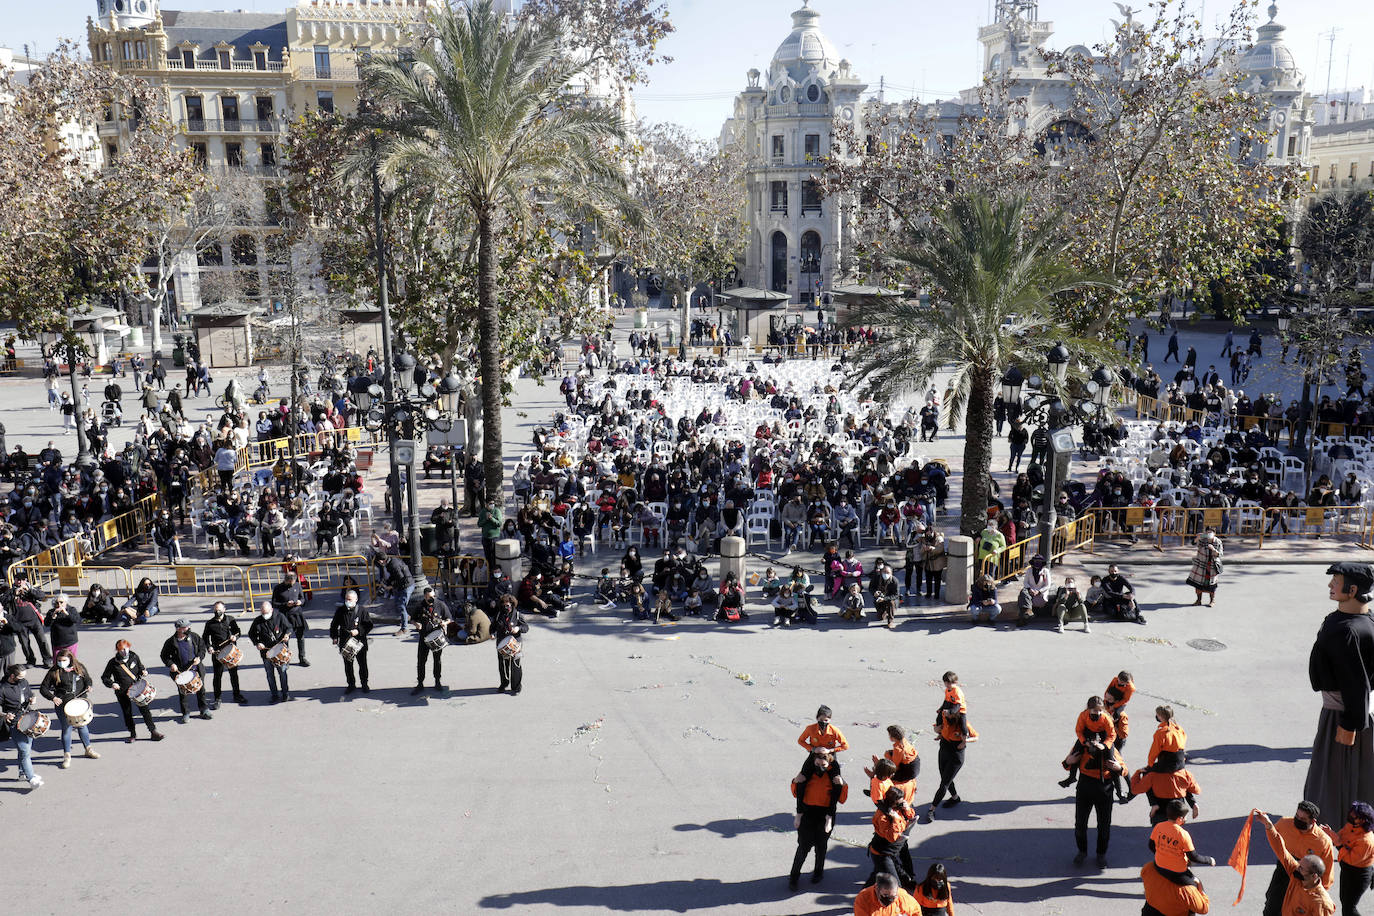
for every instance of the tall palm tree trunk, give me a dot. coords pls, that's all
(973, 501)
(489, 358)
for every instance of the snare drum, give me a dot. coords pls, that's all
(141, 692)
(436, 640)
(350, 649)
(229, 656)
(280, 654)
(32, 723)
(78, 712)
(188, 682)
(508, 647)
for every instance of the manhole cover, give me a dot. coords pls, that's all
(1207, 645)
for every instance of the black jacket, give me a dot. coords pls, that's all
(346, 620)
(265, 632)
(99, 608)
(61, 686)
(171, 655)
(395, 575)
(283, 595)
(15, 698)
(219, 633)
(431, 618)
(120, 675)
(63, 626)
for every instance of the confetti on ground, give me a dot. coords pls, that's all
(593, 729)
(698, 730)
(865, 724)
(886, 670)
(1186, 705)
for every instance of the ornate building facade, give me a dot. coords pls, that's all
(798, 242)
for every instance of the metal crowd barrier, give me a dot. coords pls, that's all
(325, 576)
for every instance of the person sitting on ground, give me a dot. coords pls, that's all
(1093, 599)
(1035, 590)
(784, 606)
(142, 604)
(1118, 598)
(731, 606)
(983, 606)
(1068, 605)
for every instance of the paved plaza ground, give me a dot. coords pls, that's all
(644, 768)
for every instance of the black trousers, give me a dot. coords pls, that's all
(126, 706)
(512, 672)
(950, 760)
(811, 835)
(219, 678)
(1354, 882)
(200, 695)
(1275, 892)
(423, 652)
(36, 631)
(299, 630)
(1093, 795)
(896, 862)
(361, 660)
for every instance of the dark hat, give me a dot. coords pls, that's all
(182, 622)
(1360, 575)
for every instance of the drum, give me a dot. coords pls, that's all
(78, 712)
(280, 654)
(350, 649)
(188, 682)
(229, 656)
(32, 723)
(141, 692)
(508, 647)
(436, 640)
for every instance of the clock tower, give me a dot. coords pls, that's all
(125, 14)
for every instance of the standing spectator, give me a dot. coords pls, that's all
(1017, 438)
(1206, 570)
(1173, 346)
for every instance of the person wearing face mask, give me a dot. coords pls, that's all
(185, 651)
(220, 631)
(886, 897)
(433, 615)
(934, 894)
(1035, 590)
(888, 848)
(1355, 851)
(62, 626)
(16, 696)
(120, 673)
(68, 679)
(267, 631)
(1093, 724)
(28, 621)
(884, 587)
(99, 606)
(815, 817)
(352, 622)
(1297, 839)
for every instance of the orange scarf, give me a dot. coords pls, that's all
(1240, 854)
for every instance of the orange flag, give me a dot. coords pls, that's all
(1241, 854)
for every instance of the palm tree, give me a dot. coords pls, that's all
(484, 115)
(995, 277)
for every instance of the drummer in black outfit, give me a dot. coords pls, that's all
(432, 614)
(185, 651)
(120, 673)
(289, 602)
(352, 621)
(266, 631)
(509, 622)
(68, 679)
(222, 630)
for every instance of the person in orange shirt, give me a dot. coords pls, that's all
(1165, 898)
(1093, 724)
(822, 735)
(1301, 836)
(817, 798)
(954, 735)
(1355, 852)
(1161, 788)
(1168, 743)
(1173, 846)
(1099, 765)
(1115, 698)
(888, 848)
(905, 760)
(1305, 893)
(879, 778)
(934, 893)
(954, 694)
(885, 898)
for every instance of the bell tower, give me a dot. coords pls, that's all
(125, 14)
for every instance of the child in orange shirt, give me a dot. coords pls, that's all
(1116, 696)
(1173, 847)
(954, 694)
(880, 778)
(1168, 744)
(904, 759)
(1355, 852)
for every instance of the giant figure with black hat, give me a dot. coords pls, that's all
(1341, 667)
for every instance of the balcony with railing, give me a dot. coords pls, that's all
(232, 126)
(333, 73)
(271, 66)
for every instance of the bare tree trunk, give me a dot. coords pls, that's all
(489, 358)
(973, 502)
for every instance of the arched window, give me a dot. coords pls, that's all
(810, 267)
(779, 284)
(1061, 139)
(244, 251)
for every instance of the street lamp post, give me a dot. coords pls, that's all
(1049, 412)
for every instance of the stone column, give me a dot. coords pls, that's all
(732, 558)
(508, 557)
(959, 574)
